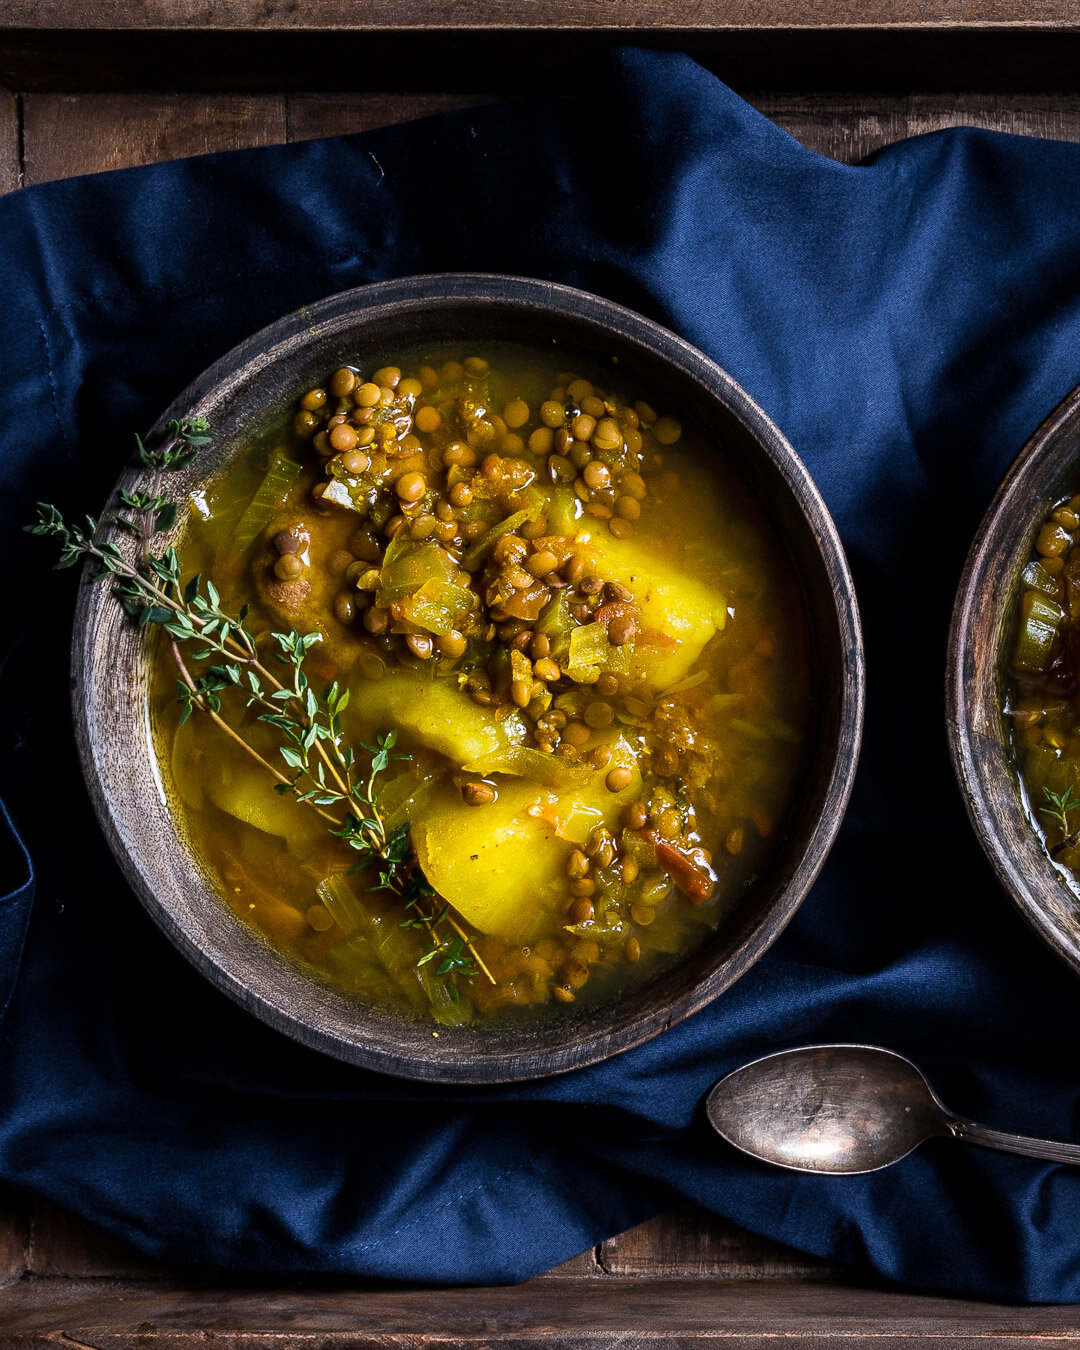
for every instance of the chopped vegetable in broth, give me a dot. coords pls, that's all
(1042, 704)
(562, 639)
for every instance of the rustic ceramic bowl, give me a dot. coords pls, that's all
(256, 383)
(1047, 467)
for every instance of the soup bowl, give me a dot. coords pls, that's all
(1047, 468)
(134, 797)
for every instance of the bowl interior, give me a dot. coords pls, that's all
(1048, 467)
(257, 382)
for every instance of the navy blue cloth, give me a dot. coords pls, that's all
(907, 323)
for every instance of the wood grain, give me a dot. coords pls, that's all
(46, 1241)
(83, 133)
(852, 126)
(310, 115)
(474, 14)
(15, 1213)
(64, 1246)
(555, 1314)
(66, 134)
(688, 1243)
(10, 116)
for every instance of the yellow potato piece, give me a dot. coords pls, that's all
(248, 795)
(434, 713)
(502, 866)
(683, 609)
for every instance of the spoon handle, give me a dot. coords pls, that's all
(1050, 1149)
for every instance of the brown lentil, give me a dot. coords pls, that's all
(355, 462)
(577, 865)
(420, 644)
(546, 669)
(410, 487)
(582, 910)
(427, 419)
(477, 794)
(288, 567)
(635, 816)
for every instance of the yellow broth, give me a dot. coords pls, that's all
(586, 635)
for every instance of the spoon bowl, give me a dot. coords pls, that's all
(846, 1109)
(827, 1109)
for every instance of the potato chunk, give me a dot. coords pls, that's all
(503, 866)
(679, 612)
(434, 713)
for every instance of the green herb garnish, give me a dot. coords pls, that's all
(321, 771)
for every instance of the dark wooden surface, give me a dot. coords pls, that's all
(53, 135)
(98, 84)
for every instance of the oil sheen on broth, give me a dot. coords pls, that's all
(582, 628)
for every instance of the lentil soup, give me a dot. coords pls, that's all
(1042, 696)
(582, 629)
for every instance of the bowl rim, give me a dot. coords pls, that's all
(981, 615)
(529, 295)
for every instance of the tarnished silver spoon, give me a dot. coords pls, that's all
(846, 1109)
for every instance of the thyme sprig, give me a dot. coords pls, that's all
(323, 770)
(1058, 807)
(1059, 804)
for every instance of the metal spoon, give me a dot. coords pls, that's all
(846, 1109)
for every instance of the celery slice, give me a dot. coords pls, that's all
(395, 949)
(341, 904)
(507, 526)
(563, 510)
(556, 624)
(269, 495)
(591, 650)
(1040, 618)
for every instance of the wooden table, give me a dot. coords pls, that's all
(100, 84)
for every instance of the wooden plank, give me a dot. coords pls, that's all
(82, 133)
(14, 1237)
(688, 1243)
(582, 1267)
(852, 126)
(66, 134)
(63, 1245)
(554, 1314)
(311, 115)
(641, 14)
(10, 166)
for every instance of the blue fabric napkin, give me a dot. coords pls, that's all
(907, 323)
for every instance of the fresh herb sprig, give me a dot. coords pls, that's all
(323, 770)
(1058, 808)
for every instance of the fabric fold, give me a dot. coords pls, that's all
(907, 323)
